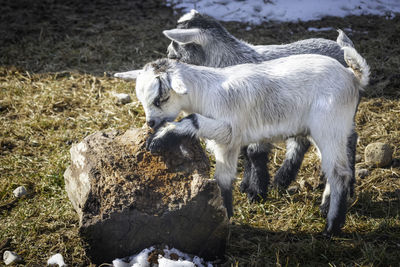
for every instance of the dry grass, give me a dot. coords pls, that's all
(47, 102)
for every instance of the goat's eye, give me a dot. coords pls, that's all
(158, 102)
(164, 100)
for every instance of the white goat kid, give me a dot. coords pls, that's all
(202, 40)
(309, 95)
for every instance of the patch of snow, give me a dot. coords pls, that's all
(163, 262)
(258, 11)
(140, 259)
(323, 29)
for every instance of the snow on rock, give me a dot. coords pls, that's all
(171, 263)
(258, 11)
(56, 259)
(165, 258)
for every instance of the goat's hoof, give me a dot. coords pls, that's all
(279, 185)
(282, 182)
(256, 196)
(329, 233)
(163, 143)
(155, 145)
(243, 187)
(148, 141)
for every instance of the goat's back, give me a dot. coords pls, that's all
(280, 97)
(309, 46)
(285, 85)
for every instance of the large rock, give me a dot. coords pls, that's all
(128, 199)
(378, 154)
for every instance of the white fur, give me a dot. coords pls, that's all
(129, 75)
(326, 194)
(308, 95)
(184, 36)
(357, 64)
(188, 16)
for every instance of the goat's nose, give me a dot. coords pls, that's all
(151, 123)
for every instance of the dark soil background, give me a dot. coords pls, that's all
(105, 36)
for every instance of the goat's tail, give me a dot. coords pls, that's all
(357, 64)
(343, 40)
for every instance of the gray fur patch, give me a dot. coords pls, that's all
(159, 66)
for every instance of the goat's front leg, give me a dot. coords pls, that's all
(220, 132)
(225, 173)
(255, 175)
(295, 149)
(194, 125)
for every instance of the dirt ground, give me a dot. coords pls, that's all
(56, 58)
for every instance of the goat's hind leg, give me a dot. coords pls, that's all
(335, 165)
(296, 148)
(339, 183)
(351, 153)
(324, 207)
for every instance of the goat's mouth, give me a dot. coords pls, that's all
(162, 123)
(173, 56)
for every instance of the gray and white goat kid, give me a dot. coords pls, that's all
(201, 40)
(302, 95)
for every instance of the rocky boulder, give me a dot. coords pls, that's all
(128, 199)
(378, 154)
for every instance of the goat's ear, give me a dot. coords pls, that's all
(129, 75)
(178, 85)
(184, 36)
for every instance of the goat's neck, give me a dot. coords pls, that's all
(230, 51)
(200, 82)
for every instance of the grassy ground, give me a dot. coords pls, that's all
(54, 90)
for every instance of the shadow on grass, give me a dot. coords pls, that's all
(251, 246)
(388, 207)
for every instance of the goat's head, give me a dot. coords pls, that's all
(193, 33)
(159, 88)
